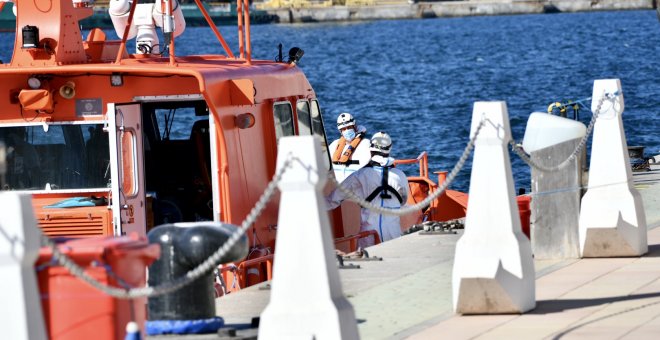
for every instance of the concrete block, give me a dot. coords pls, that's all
(556, 203)
(612, 220)
(493, 267)
(306, 296)
(21, 316)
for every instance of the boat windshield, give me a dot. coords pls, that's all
(56, 156)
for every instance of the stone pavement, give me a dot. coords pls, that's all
(611, 298)
(603, 298)
(408, 294)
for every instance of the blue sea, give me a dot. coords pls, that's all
(418, 79)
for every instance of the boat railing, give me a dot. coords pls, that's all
(422, 160)
(353, 239)
(241, 270)
(244, 40)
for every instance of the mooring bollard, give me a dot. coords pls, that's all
(556, 194)
(493, 266)
(612, 219)
(313, 306)
(21, 316)
(191, 309)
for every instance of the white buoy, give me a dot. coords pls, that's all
(493, 266)
(612, 220)
(306, 300)
(21, 316)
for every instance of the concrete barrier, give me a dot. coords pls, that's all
(493, 266)
(306, 299)
(612, 219)
(21, 316)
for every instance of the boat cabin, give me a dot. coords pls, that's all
(108, 142)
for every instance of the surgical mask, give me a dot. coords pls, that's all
(348, 134)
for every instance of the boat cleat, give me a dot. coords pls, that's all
(342, 265)
(361, 255)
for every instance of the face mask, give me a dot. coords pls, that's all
(348, 134)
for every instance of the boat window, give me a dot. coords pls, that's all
(318, 129)
(129, 164)
(175, 123)
(283, 120)
(304, 122)
(56, 156)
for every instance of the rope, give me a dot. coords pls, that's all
(211, 262)
(189, 277)
(518, 150)
(427, 201)
(459, 165)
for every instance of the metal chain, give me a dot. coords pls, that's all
(190, 276)
(212, 261)
(424, 203)
(518, 150)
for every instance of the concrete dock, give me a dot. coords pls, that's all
(408, 293)
(309, 11)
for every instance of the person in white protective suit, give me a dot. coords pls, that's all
(382, 185)
(351, 151)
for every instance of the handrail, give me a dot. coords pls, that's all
(207, 17)
(353, 238)
(422, 160)
(214, 28)
(246, 13)
(172, 52)
(239, 12)
(243, 266)
(129, 23)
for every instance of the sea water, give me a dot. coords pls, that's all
(418, 79)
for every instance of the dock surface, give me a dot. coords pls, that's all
(408, 294)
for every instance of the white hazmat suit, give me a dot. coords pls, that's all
(365, 183)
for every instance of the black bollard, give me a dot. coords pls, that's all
(183, 247)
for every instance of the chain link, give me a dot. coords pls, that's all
(518, 150)
(190, 276)
(427, 201)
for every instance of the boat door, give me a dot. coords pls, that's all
(127, 168)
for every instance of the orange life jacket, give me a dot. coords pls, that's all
(340, 157)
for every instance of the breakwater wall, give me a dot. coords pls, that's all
(419, 10)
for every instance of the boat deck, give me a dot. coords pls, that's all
(408, 294)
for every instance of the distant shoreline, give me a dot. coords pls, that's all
(420, 10)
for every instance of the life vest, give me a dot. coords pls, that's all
(340, 157)
(384, 188)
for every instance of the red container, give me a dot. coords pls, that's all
(525, 212)
(75, 310)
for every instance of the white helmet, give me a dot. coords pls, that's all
(345, 120)
(381, 143)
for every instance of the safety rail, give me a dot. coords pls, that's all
(243, 266)
(422, 160)
(354, 238)
(244, 40)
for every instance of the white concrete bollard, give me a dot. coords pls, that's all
(612, 221)
(306, 300)
(493, 266)
(20, 312)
